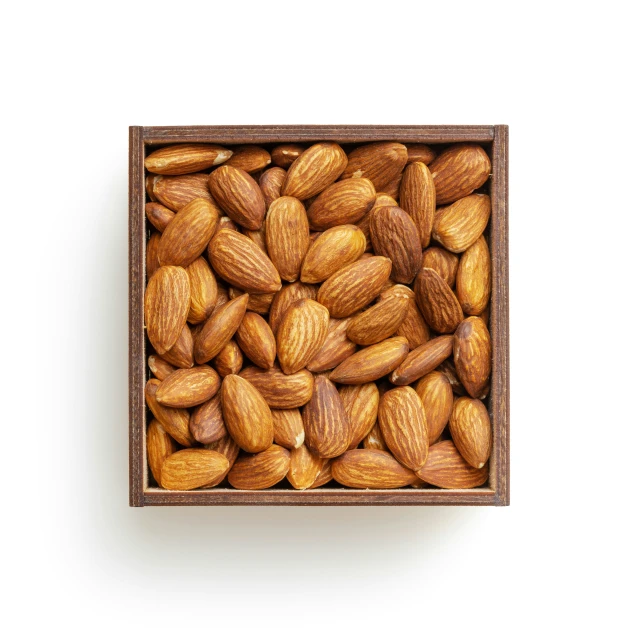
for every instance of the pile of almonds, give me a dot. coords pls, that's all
(322, 319)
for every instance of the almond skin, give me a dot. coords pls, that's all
(203, 290)
(176, 192)
(437, 302)
(316, 168)
(280, 390)
(420, 153)
(288, 428)
(380, 162)
(225, 446)
(417, 198)
(423, 360)
(375, 440)
(158, 215)
(271, 184)
(443, 262)
(369, 468)
(246, 414)
(192, 468)
(301, 334)
(380, 321)
(326, 426)
(344, 202)
(413, 328)
(474, 278)
(256, 340)
(460, 225)
(160, 368)
(159, 446)
(256, 472)
(361, 403)
(325, 474)
(258, 237)
(288, 294)
(166, 306)
(188, 233)
(402, 420)
(287, 236)
(239, 195)
(257, 302)
(249, 158)
(372, 362)
(207, 422)
(336, 348)
(240, 261)
(219, 329)
(229, 360)
(181, 355)
(152, 260)
(436, 394)
(188, 387)
(180, 159)
(333, 249)
(381, 199)
(395, 235)
(285, 154)
(446, 468)
(472, 353)
(353, 287)
(471, 430)
(175, 421)
(304, 468)
(458, 171)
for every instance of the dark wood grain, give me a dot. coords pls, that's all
(498, 492)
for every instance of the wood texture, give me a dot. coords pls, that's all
(144, 139)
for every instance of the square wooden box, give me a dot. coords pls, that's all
(495, 141)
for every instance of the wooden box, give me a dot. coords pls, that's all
(495, 141)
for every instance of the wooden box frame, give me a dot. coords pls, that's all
(495, 139)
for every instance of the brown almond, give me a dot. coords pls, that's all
(360, 403)
(256, 472)
(336, 348)
(160, 368)
(229, 360)
(443, 262)
(437, 302)
(258, 237)
(278, 389)
(364, 225)
(423, 360)
(474, 278)
(472, 353)
(227, 223)
(257, 302)
(149, 182)
(375, 440)
(325, 474)
(288, 294)
(304, 468)
(158, 215)
(371, 363)
(392, 188)
(446, 468)
(369, 468)
(420, 153)
(207, 422)
(188, 387)
(192, 468)
(176, 192)
(249, 158)
(417, 198)
(288, 428)
(448, 368)
(152, 260)
(436, 394)
(380, 321)
(413, 328)
(471, 430)
(284, 155)
(256, 340)
(203, 290)
(345, 202)
(271, 184)
(227, 447)
(460, 225)
(380, 162)
(181, 355)
(159, 446)
(175, 421)
(179, 159)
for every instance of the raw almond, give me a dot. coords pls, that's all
(288, 294)
(246, 414)
(472, 352)
(316, 168)
(458, 171)
(239, 195)
(304, 468)
(227, 447)
(380, 162)
(152, 260)
(256, 472)
(446, 468)
(257, 302)
(256, 340)
(460, 225)
(336, 348)
(285, 154)
(448, 369)
(288, 428)
(392, 188)
(413, 328)
(271, 184)
(417, 198)
(375, 440)
(360, 403)
(180, 159)
(280, 390)
(436, 394)
(227, 223)
(443, 262)
(437, 302)
(181, 355)
(471, 430)
(354, 286)
(229, 360)
(258, 237)
(239, 261)
(420, 153)
(188, 387)
(369, 468)
(325, 474)
(203, 290)
(380, 321)
(176, 192)
(364, 225)
(249, 158)
(159, 446)
(423, 360)
(158, 215)
(207, 423)
(474, 278)
(166, 306)
(160, 368)
(344, 202)
(192, 468)
(175, 421)
(287, 236)
(372, 362)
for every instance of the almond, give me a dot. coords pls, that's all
(360, 403)
(249, 158)
(458, 171)
(271, 184)
(375, 440)
(203, 290)
(446, 468)
(219, 329)
(188, 387)
(369, 468)
(207, 423)
(280, 390)
(229, 360)
(443, 262)
(301, 334)
(392, 188)
(258, 237)
(149, 183)
(420, 153)
(413, 328)
(325, 474)
(402, 420)
(175, 421)
(246, 414)
(160, 368)
(257, 302)
(181, 355)
(448, 369)
(285, 154)
(289, 294)
(344, 202)
(179, 159)
(380, 321)
(364, 225)
(256, 472)
(380, 162)
(188, 233)
(239, 261)
(239, 195)
(437, 302)
(166, 306)
(192, 468)
(372, 362)
(288, 428)
(304, 468)
(395, 235)
(423, 360)
(436, 394)
(326, 426)
(472, 352)
(152, 260)
(159, 446)
(460, 225)
(336, 348)
(256, 340)
(158, 215)
(287, 236)
(227, 447)
(333, 249)
(474, 278)
(354, 286)
(176, 192)
(417, 198)
(471, 430)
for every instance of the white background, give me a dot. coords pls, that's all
(562, 560)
